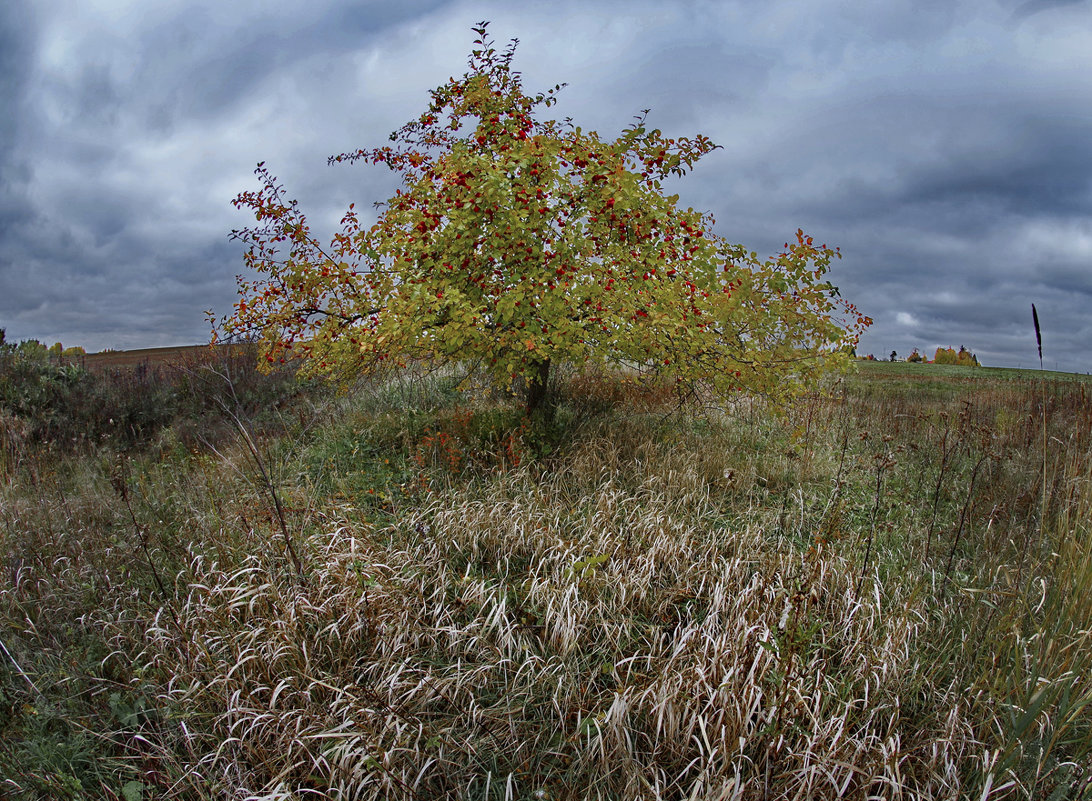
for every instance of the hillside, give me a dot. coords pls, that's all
(152, 357)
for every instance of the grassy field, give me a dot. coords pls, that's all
(958, 373)
(403, 590)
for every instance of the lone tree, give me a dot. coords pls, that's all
(518, 243)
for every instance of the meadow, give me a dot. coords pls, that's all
(399, 588)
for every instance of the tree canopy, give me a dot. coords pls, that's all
(517, 243)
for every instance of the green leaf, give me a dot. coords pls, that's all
(588, 564)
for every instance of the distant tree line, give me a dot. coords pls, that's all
(962, 357)
(33, 349)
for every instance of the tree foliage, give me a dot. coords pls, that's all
(518, 243)
(963, 358)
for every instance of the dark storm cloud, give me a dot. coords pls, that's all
(946, 147)
(16, 33)
(112, 235)
(958, 185)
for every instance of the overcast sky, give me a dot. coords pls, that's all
(944, 145)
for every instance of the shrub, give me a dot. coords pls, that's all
(65, 406)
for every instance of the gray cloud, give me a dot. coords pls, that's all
(944, 146)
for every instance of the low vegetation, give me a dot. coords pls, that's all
(78, 404)
(404, 589)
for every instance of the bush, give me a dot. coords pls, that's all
(45, 403)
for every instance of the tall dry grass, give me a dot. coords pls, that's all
(862, 598)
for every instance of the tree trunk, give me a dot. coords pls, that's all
(538, 389)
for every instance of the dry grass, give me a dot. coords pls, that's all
(856, 600)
